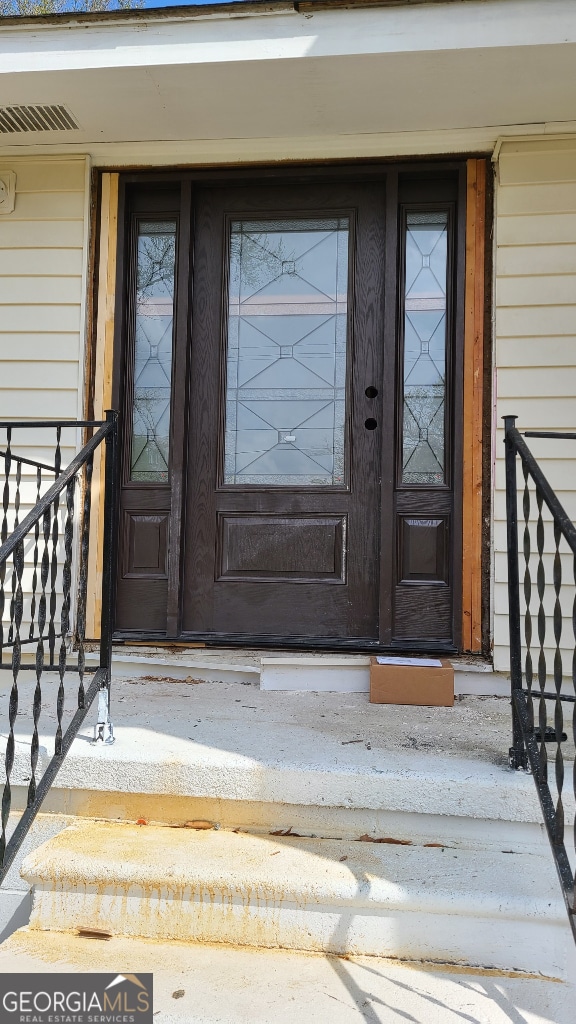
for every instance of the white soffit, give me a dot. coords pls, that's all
(423, 68)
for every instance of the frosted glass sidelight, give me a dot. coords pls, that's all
(286, 371)
(155, 271)
(423, 452)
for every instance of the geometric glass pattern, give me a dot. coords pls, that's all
(286, 370)
(425, 348)
(155, 272)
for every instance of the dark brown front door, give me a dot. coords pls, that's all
(283, 509)
(290, 376)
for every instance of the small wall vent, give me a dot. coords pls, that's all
(37, 118)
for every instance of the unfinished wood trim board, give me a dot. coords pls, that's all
(102, 388)
(473, 404)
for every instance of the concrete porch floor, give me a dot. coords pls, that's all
(183, 739)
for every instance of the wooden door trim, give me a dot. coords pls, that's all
(473, 402)
(101, 398)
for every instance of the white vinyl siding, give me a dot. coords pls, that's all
(42, 290)
(43, 257)
(535, 344)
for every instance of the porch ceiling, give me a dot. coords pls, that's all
(283, 74)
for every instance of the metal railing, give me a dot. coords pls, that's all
(542, 618)
(43, 603)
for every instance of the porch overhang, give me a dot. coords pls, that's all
(270, 71)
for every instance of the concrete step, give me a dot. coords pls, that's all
(500, 910)
(267, 760)
(302, 671)
(210, 984)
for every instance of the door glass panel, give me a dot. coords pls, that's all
(286, 372)
(155, 271)
(425, 348)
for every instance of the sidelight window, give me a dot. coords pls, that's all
(154, 320)
(425, 327)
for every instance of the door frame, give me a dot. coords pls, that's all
(471, 295)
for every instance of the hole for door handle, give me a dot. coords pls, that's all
(371, 392)
(370, 424)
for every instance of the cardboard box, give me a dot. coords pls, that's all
(411, 681)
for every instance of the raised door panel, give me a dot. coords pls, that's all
(146, 545)
(263, 548)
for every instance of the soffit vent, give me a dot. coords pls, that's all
(36, 118)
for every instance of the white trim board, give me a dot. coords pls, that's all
(317, 672)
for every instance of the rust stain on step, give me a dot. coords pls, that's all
(198, 825)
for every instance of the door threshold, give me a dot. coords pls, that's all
(356, 645)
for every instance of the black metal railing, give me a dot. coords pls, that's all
(44, 561)
(542, 617)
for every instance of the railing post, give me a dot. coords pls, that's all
(518, 756)
(104, 730)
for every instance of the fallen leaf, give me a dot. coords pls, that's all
(439, 846)
(344, 742)
(93, 933)
(384, 839)
(287, 832)
(178, 993)
(158, 679)
(141, 821)
(343, 858)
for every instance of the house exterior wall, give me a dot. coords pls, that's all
(43, 267)
(535, 341)
(43, 289)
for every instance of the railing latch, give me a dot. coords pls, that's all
(518, 759)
